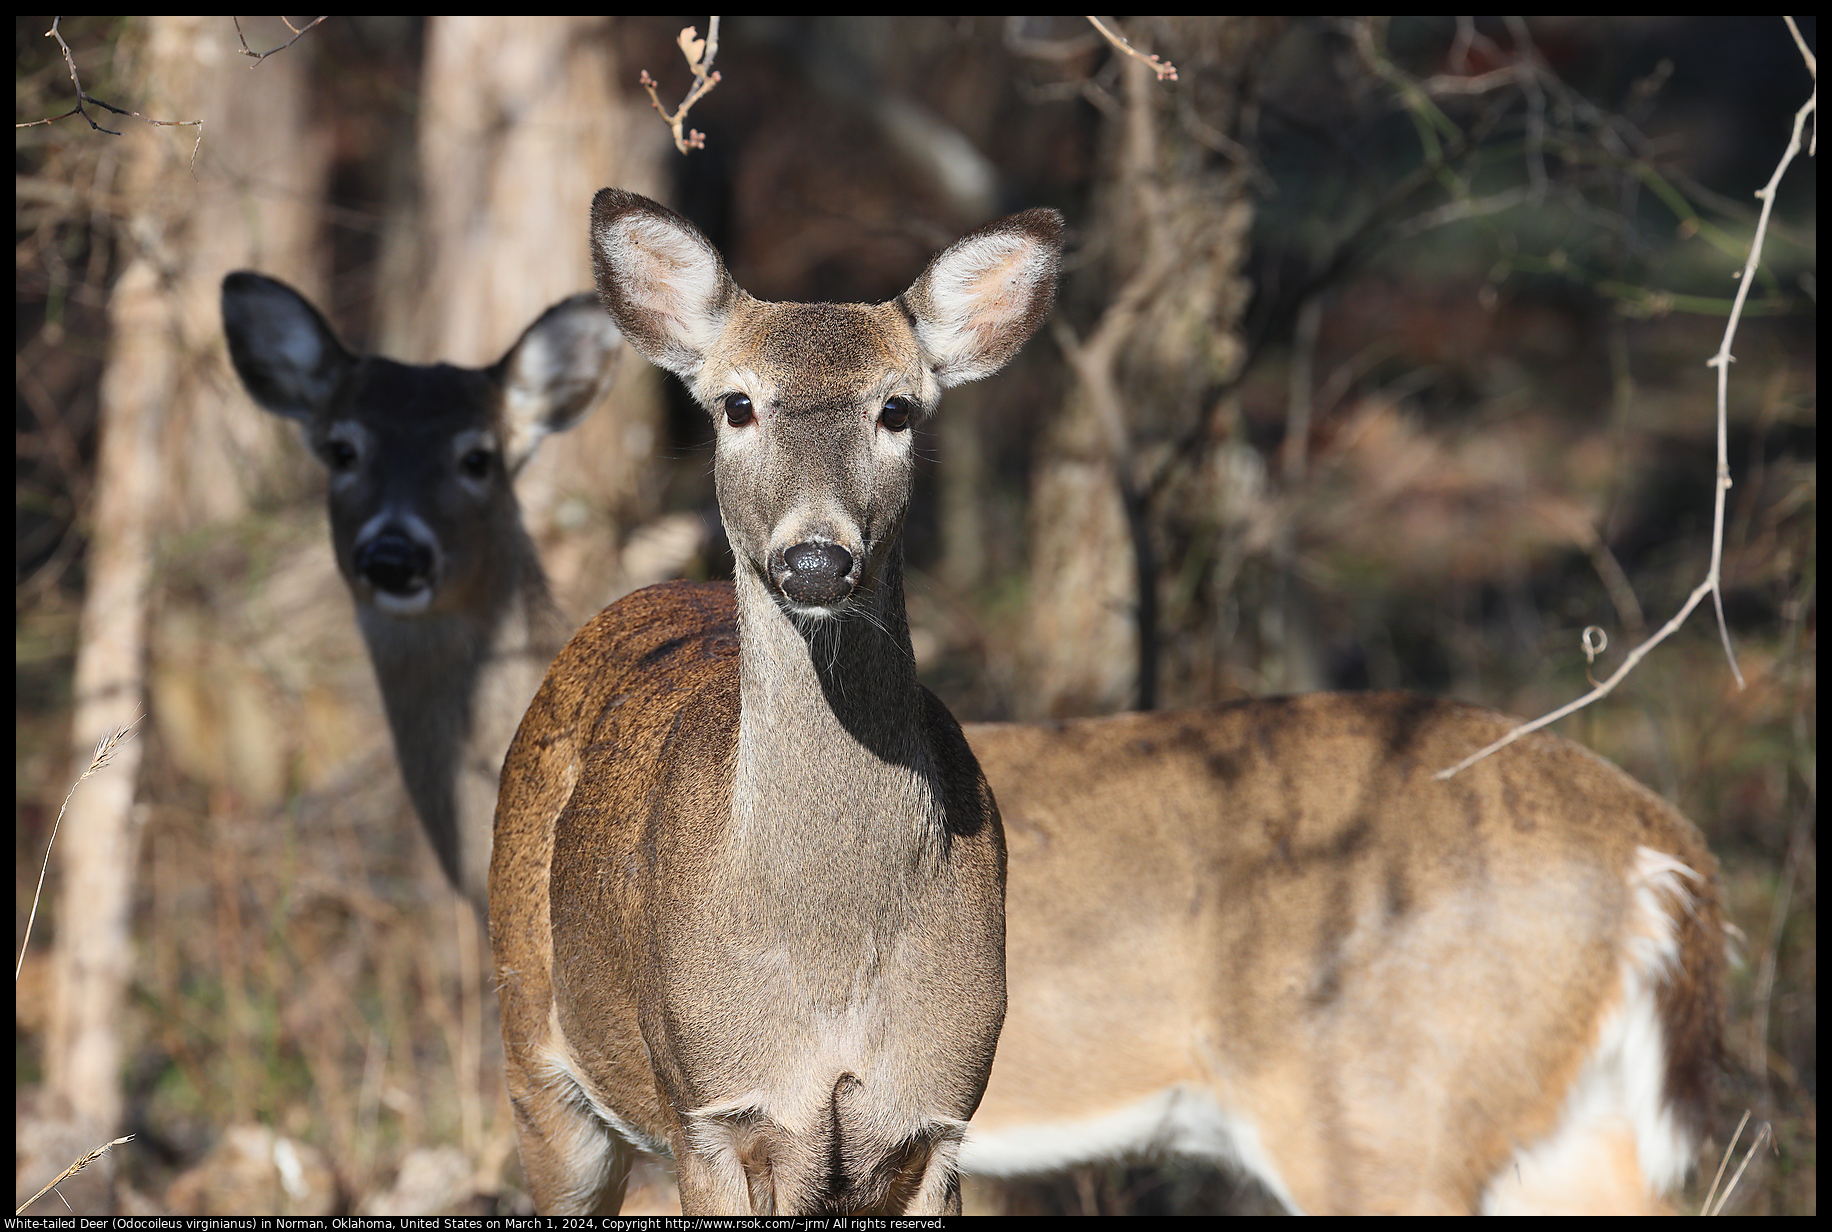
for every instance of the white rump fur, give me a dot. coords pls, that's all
(1617, 1099)
(1618, 1096)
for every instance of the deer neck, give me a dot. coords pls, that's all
(454, 684)
(509, 627)
(834, 769)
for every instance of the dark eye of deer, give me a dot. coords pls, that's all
(476, 462)
(738, 410)
(339, 455)
(896, 414)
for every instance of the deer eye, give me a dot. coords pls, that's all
(339, 454)
(738, 410)
(476, 462)
(896, 413)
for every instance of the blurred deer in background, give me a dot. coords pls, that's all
(1264, 935)
(747, 894)
(450, 595)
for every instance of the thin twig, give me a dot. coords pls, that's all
(1812, 67)
(81, 98)
(1721, 361)
(82, 1162)
(1165, 70)
(104, 753)
(699, 53)
(1714, 1201)
(258, 56)
(1725, 1161)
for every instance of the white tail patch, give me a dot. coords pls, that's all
(1617, 1143)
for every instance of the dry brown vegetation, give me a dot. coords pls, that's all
(1385, 356)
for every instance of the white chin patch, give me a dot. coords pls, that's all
(806, 612)
(403, 605)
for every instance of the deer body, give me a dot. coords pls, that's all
(747, 889)
(449, 592)
(1259, 934)
(1263, 934)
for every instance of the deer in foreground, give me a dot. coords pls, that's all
(747, 893)
(1166, 868)
(449, 593)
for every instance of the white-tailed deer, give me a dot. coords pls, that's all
(1265, 935)
(747, 896)
(450, 596)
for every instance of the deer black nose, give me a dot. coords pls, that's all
(394, 563)
(818, 573)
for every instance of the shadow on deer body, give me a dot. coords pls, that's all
(450, 596)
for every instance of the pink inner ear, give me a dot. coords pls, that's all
(670, 277)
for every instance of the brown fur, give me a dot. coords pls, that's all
(1395, 978)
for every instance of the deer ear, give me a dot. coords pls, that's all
(660, 279)
(982, 299)
(287, 355)
(556, 372)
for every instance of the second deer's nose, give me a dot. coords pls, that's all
(394, 563)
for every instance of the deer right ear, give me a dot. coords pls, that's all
(289, 359)
(660, 279)
(981, 300)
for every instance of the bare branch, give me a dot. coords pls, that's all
(1812, 63)
(258, 56)
(699, 53)
(1712, 584)
(1165, 70)
(81, 98)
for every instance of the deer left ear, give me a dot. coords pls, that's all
(556, 372)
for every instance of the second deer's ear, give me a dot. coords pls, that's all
(284, 350)
(556, 372)
(981, 300)
(660, 279)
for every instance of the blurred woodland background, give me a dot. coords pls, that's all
(1379, 361)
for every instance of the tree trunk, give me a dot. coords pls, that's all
(174, 453)
(521, 123)
(1117, 494)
